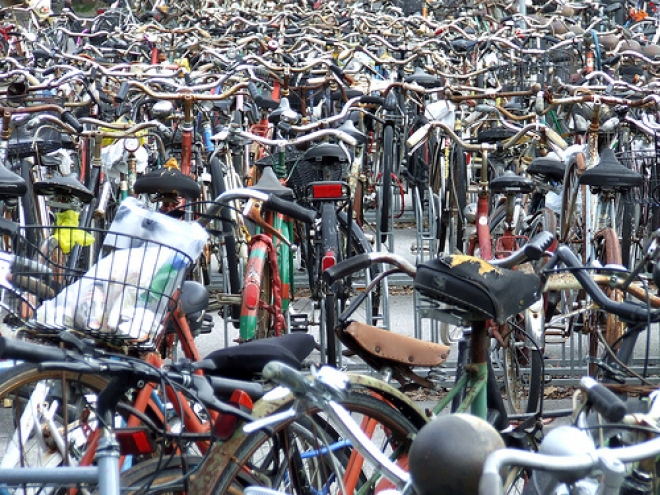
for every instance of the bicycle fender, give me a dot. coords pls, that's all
(222, 454)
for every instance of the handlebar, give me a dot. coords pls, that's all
(609, 459)
(56, 359)
(271, 201)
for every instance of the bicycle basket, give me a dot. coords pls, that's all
(121, 299)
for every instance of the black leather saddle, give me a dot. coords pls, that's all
(509, 182)
(349, 128)
(495, 135)
(269, 183)
(63, 186)
(423, 79)
(326, 153)
(476, 289)
(552, 168)
(167, 181)
(11, 185)
(246, 360)
(610, 174)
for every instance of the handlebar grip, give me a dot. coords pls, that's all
(346, 267)
(290, 209)
(603, 400)
(372, 100)
(123, 92)
(538, 245)
(33, 286)
(285, 375)
(253, 90)
(418, 135)
(68, 118)
(27, 351)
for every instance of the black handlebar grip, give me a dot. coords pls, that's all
(285, 375)
(603, 400)
(27, 351)
(48, 71)
(224, 387)
(253, 90)
(346, 267)
(123, 92)
(372, 100)
(68, 118)
(337, 70)
(538, 245)
(290, 209)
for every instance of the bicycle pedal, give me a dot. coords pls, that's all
(299, 323)
(207, 324)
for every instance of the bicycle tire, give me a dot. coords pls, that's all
(452, 228)
(627, 225)
(330, 246)
(159, 476)
(255, 320)
(233, 276)
(385, 170)
(16, 387)
(361, 245)
(523, 396)
(396, 431)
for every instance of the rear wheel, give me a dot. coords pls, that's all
(385, 171)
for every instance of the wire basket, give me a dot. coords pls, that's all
(645, 160)
(117, 286)
(122, 299)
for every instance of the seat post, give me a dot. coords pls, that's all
(479, 366)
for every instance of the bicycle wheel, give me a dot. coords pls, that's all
(330, 248)
(385, 172)
(255, 320)
(291, 460)
(231, 263)
(162, 476)
(451, 228)
(523, 367)
(28, 437)
(608, 252)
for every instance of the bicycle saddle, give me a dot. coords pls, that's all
(423, 79)
(476, 290)
(270, 184)
(349, 128)
(610, 174)
(350, 93)
(651, 51)
(64, 186)
(494, 135)
(326, 153)
(247, 360)
(510, 182)
(551, 167)
(11, 185)
(167, 181)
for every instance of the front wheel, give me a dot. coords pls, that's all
(295, 458)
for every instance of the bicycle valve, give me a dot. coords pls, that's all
(252, 211)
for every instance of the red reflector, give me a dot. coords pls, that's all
(328, 260)
(225, 424)
(252, 296)
(327, 191)
(134, 441)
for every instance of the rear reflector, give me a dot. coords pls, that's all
(324, 191)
